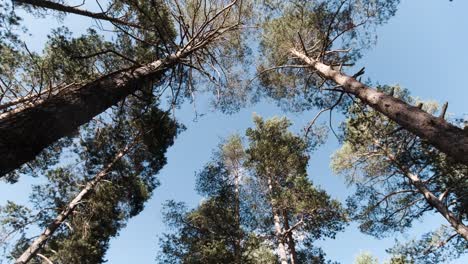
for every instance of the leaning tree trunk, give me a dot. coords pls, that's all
(430, 198)
(446, 137)
(26, 133)
(39, 242)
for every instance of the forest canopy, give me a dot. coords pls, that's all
(89, 121)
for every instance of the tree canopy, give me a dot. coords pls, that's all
(93, 115)
(259, 203)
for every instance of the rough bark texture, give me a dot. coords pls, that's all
(25, 134)
(448, 138)
(37, 245)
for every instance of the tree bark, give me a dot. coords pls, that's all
(446, 137)
(238, 242)
(279, 235)
(289, 236)
(26, 133)
(37, 245)
(278, 229)
(238, 248)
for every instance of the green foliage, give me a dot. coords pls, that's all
(279, 158)
(236, 213)
(378, 157)
(365, 258)
(438, 246)
(207, 234)
(68, 59)
(334, 32)
(157, 32)
(399, 260)
(85, 236)
(219, 230)
(9, 24)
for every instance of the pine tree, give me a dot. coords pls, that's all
(306, 46)
(220, 229)
(83, 205)
(278, 160)
(78, 80)
(399, 177)
(258, 200)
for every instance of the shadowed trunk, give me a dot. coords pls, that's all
(446, 137)
(24, 134)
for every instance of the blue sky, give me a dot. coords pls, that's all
(422, 48)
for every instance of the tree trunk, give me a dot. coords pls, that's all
(26, 133)
(37, 245)
(279, 235)
(431, 199)
(448, 138)
(278, 230)
(237, 247)
(289, 236)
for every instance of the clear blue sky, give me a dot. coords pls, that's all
(422, 48)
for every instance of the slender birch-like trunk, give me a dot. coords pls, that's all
(279, 235)
(278, 229)
(431, 199)
(40, 241)
(446, 137)
(237, 248)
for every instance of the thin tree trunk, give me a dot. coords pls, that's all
(37, 245)
(26, 133)
(431, 199)
(237, 247)
(278, 230)
(279, 235)
(289, 236)
(73, 10)
(449, 139)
